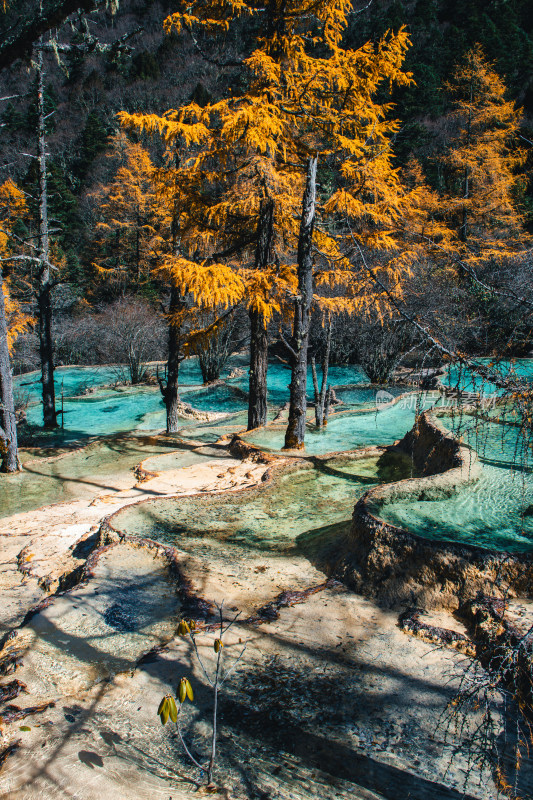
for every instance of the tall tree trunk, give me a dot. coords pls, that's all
(210, 368)
(138, 246)
(170, 391)
(322, 394)
(8, 426)
(173, 366)
(257, 397)
(44, 301)
(295, 433)
(463, 230)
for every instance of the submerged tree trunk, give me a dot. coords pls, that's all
(321, 396)
(257, 398)
(47, 363)
(295, 433)
(135, 365)
(210, 368)
(8, 426)
(44, 300)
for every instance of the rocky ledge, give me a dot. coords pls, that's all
(396, 566)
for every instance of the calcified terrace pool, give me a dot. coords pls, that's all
(496, 512)
(299, 509)
(76, 475)
(345, 431)
(519, 369)
(96, 404)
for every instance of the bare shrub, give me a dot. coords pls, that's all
(130, 333)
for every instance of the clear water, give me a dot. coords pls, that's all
(103, 627)
(366, 395)
(279, 378)
(276, 518)
(221, 398)
(487, 514)
(72, 380)
(347, 431)
(107, 411)
(76, 475)
(124, 409)
(501, 445)
(457, 377)
(492, 513)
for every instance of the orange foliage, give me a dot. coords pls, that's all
(12, 208)
(130, 218)
(481, 163)
(240, 151)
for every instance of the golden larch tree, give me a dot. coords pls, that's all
(139, 246)
(129, 219)
(244, 161)
(12, 322)
(482, 158)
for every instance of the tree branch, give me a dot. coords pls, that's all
(91, 44)
(204, 55)
(20, 43)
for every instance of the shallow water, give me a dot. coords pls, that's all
(365, 396)
(468, 381)
(107, 410)
(274, 518)
(279, 378)
(92, 470)
(502, 445)
(124, 409)
(104, 627)
(487, 514)
(71, 380)
(346, 431)
(221, 398)
(490, 514)
(245, 547)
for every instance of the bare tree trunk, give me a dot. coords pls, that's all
(322, 395)
(175, 357)
(330, 395)
(8, 426)
(135, 366)
(170, 391)
(295, 433)
(257, 398)
(138, 245)
(44, 302)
